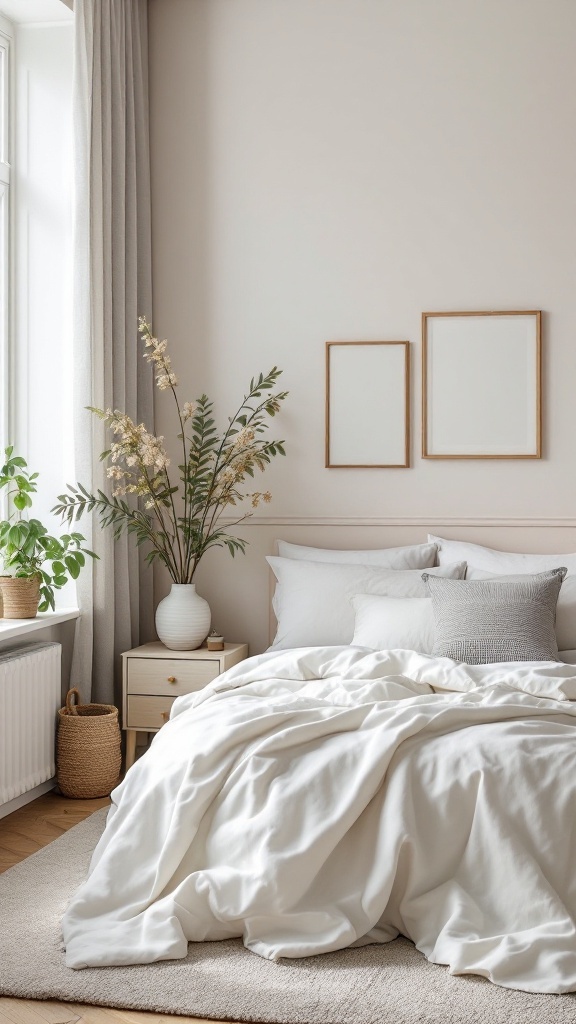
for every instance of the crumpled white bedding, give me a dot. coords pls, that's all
(327, 797)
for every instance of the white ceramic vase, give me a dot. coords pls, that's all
(183, 618)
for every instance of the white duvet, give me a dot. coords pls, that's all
(315, 799)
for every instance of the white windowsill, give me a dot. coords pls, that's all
(20, 627)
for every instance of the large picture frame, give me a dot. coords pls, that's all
(367, 404)
(482, 385)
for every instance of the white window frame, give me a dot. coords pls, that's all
(6, 233)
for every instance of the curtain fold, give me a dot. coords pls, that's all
(112, 287)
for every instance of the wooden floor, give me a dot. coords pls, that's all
(29, 829)
(22, 833)
(31, 1011)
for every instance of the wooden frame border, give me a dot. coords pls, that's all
(406, 463)
(505, 312)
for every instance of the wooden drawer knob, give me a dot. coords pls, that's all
(165, 716)
(171, 679)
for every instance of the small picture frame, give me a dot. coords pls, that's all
(367, 404)
(482, 385)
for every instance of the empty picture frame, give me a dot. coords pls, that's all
(481, 385)
(367, 404)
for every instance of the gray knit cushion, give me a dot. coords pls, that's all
(506, 619)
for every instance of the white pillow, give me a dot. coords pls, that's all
(394, 623)
(503, 563)
(413, 556)
(565, 608)
(313, 600)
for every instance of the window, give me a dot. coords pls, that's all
(36, 49)
(5, 234)
(39, 389)
(36, 56)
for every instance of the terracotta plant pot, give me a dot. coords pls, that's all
(20, 596)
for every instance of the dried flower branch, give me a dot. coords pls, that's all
(180, 522)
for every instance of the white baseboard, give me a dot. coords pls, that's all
(27, 798)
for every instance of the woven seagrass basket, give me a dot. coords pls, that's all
(88, 755)
(20, 596)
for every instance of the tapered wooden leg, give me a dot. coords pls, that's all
(130, 747)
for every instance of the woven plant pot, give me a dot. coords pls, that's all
(20, 596)
(88, 755)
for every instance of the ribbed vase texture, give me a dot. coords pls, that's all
(183, 618)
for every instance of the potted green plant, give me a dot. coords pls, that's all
(178, 516)
(35, 563)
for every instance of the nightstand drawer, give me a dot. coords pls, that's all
(154, 675)
(148, 712)
(148, 693)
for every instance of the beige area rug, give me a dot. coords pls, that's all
(391, 984)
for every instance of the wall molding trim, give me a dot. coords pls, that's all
(424, 521)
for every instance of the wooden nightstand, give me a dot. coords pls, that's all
(153, 676)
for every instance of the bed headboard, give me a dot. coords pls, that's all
(239, 592)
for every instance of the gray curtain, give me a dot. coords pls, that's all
(112, 287)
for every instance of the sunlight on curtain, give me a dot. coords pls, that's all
(112, 286)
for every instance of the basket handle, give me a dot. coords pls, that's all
(71, 706)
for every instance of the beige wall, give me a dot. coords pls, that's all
(329, 170)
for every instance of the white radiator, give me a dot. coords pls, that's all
(30, 695)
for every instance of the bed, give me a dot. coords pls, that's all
(326, 795)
